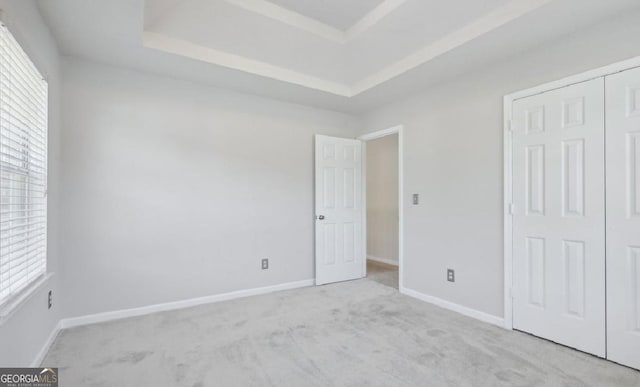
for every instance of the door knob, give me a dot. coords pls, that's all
(321, 217)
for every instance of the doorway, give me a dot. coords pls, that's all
(341, 212)
(382, 206)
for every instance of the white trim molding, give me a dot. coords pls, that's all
(145, 310)
(508, 219)
(291, 18)
(206, 54)
(508, 162)
(47, 345)
(372, 18)
(495, 19)
(313, 26)
(381, 133)
(469, 312)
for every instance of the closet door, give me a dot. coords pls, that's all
(623, 217)
(558, 223)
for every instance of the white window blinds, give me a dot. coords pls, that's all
(23, 169)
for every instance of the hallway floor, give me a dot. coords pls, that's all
(383, 273)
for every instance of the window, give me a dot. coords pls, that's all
(23, 169)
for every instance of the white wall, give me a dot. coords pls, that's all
(453, 158)
(23, 333)
(382, 199)
(174, 190)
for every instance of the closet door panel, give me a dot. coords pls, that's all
(559, 210)
(623, 217)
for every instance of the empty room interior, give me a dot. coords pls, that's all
(320, 193)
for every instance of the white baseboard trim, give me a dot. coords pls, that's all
(45, 348)
(482, 316)
(125, 313)
(387, 261)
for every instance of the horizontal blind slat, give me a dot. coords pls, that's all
(21, 219)
(23, 168)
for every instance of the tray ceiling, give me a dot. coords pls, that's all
(265, 39)
(329, 53)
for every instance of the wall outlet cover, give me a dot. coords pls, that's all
(451, 275)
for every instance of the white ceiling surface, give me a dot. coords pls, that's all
(341, 14)
(254, 37)
(228, 29)
(262, 48)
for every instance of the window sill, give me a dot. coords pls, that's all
(16, 302)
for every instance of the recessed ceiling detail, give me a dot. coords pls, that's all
(340, 14)
(310, 46)
(351, 55)
(198, 52)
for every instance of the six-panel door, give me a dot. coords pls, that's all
(339, 239)
(623, 217)
(559, 215)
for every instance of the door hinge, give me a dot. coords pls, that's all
(512, 208)
(509, 126)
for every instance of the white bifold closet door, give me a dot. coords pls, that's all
(559, 216)
(623, 217)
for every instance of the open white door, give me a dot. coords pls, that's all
(339, 249)
(623, 217)
(559, 214)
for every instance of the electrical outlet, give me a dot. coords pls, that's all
(265, 264)
(451, 275)
(50, 300)
(416, 199)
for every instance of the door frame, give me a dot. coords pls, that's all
(368, 137)
(508, 162)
